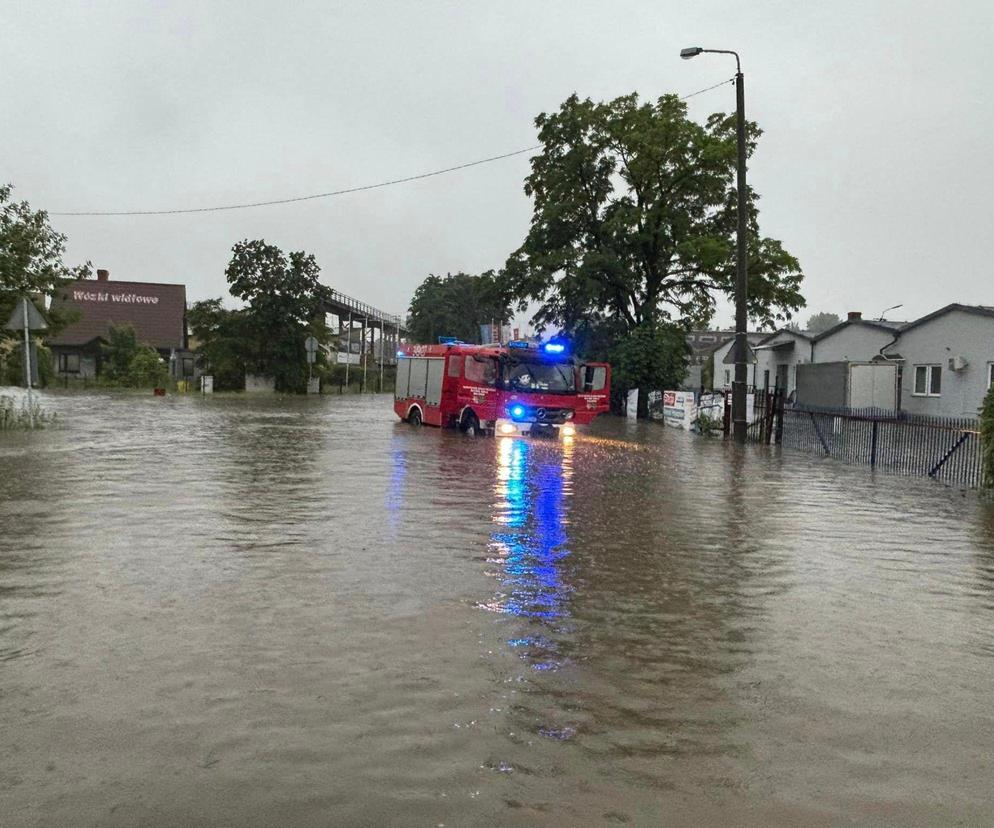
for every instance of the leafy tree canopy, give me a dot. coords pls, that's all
(819, 322)
(224, 342)
(30, 256)
(635, 218)
(284, 303)
(456, 305)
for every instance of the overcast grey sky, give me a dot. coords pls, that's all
(875, 168)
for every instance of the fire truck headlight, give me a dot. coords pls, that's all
(517, 411)
(507, 428)
(568, 430)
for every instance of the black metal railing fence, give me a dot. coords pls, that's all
(948, 449)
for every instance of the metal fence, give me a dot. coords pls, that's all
(948, 449)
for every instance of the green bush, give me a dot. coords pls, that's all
(129, 364)
(987, 436)
(146, 370)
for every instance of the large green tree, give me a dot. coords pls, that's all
(31, 259)
(224, 341)
(819, 322)
(284, 303)
(634, 223)
(456, 305)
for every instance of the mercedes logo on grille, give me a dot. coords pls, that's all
(540, 414)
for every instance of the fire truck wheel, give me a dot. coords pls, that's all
(470, 424)
(414, 418)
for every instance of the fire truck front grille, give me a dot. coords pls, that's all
(552, 416)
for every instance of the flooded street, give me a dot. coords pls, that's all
(232, 611)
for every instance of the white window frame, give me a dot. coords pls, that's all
(928, 380)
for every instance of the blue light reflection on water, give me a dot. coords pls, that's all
(531, 541)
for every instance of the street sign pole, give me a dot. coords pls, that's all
(27, 361)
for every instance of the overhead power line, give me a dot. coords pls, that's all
(331, 193)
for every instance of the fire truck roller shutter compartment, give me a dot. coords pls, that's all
(433, 394)
(419, 377)
(403, 378)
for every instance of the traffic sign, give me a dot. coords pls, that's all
(310, 345)
(35, 321)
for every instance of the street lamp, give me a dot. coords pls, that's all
(888, 310)
(740, 351)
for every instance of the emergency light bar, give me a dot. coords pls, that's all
(554, 348)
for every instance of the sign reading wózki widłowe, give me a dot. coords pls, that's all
(106, 296)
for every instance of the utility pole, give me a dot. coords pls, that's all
(741, 347)
(362, 390)
(381, 354)
(348, 351)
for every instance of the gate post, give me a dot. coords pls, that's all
(873, 443)
(779, 396)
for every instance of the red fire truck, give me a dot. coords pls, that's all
(518, 388)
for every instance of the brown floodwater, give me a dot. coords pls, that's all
(236, 611)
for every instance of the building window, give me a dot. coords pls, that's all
(728, 377)
(707, 338)
(928, 381)
(187, 366)
(990, 374)
(68, 363)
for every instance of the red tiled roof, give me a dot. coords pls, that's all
(155, 311)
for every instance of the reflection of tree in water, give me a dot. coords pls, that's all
(534, 485)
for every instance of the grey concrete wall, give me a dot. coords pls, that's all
(823, 384)
(934, 343)
(259, 384)
(853, 343)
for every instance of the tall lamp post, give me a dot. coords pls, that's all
(741, 347)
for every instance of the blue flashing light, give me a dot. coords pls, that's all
(517, 412)
(401, 354)
(555, 348)
(449, 340)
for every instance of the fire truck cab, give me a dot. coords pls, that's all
(514, 389)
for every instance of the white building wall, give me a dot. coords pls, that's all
(722, 374)
(769, 360)
(853, 343)
(933, 343)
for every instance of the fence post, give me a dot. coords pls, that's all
(873, 444)
(779, 397)
(726, 420)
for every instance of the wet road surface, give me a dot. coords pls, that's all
(229, 611)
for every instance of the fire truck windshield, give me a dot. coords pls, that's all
(539, 377)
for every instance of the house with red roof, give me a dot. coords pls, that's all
(156, 311)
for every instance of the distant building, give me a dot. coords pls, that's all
(157, 312)
(724, 372)
(777, 356)
(702, 345)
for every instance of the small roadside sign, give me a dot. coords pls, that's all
(34, 320)
(310, 345)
